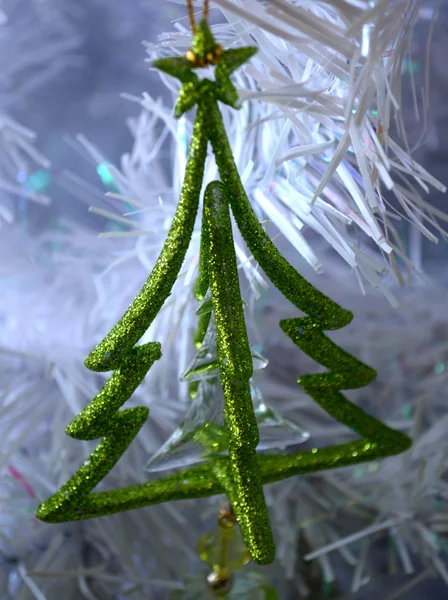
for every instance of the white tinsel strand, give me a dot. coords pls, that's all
(37, 44)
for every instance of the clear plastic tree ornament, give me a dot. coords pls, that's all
(202, 432)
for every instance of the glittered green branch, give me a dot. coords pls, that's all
(201, 482)
(346, 372)
(100, 418)
(112, 351)
(242, 481)
(242, 473)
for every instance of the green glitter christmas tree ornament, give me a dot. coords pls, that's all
(242, 473)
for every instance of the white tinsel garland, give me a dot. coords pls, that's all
(326, 85)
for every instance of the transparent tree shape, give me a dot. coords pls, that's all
(205, 363)
(202, 433)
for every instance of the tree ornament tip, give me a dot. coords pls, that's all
(204, 49)
(45, 515)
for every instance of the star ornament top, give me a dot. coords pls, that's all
(205, 51)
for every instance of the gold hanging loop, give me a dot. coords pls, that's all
(205, 56)
(191, 16)
(206, 9)
(205, 12)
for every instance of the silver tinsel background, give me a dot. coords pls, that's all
(374, 531)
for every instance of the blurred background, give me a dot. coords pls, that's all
(107, 59)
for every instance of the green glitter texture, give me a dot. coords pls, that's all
(242, 474)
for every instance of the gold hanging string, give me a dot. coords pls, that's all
(209, 56)
(205, 11)
(191, 15)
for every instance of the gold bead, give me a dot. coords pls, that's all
(219, 585)
(226, 519)
(191, 56)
